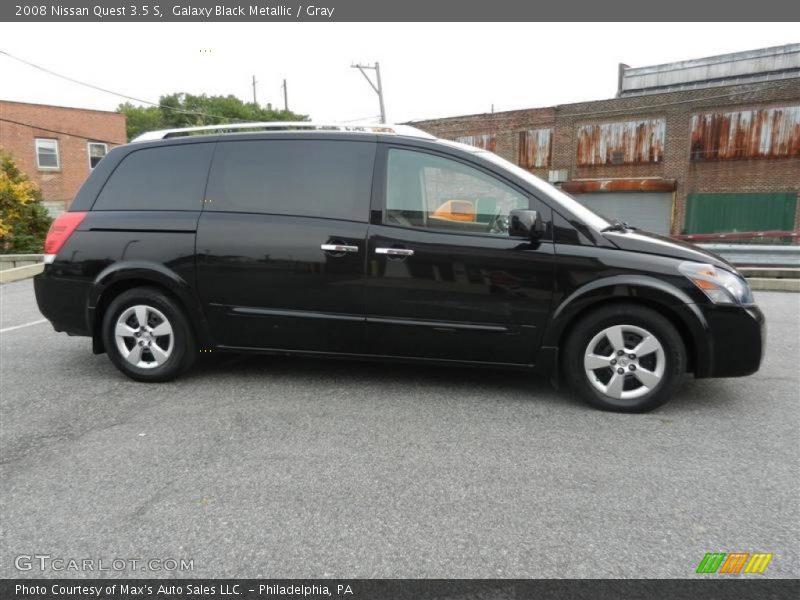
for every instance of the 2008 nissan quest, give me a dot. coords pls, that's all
(381, 242)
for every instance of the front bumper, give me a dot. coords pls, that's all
(736, 337)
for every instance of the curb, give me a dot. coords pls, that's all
(774, 285)
(18, 273)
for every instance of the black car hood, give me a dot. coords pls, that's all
(651, 243)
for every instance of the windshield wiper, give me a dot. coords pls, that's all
(617, 225)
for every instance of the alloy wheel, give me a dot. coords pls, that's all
(144, 336)
(624, 362)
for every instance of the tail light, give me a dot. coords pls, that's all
(59, 233)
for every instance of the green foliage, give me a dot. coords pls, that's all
(188, 110)
(141, 118)
(24, 221)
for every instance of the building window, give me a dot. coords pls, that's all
(47, 154)
(97, 150)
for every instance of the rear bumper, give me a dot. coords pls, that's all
(63, 302)
(737, 339)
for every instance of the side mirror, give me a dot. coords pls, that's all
(525, 223)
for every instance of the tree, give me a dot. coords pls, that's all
(24, 221)
(188, 110)
(139, 119)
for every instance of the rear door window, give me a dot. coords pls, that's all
(161, 178)
(314, 178)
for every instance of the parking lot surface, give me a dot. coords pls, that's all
(278, 467)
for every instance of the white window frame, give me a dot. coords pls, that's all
(58, 154)
(89, 151)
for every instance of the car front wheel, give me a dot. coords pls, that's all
(625, 358)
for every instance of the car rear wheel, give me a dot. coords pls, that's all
(625, 358)
(147, 336)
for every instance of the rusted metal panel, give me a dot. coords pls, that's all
(759, 133)
(621, 143)
(619, 185)
(535, 148)
(487, 141)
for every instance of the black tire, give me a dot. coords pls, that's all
(629, 320)
(180, 342)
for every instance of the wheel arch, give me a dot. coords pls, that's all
(121, 277)
(667, 300)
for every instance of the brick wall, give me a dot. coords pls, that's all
(505, 125)
(677, 108)
(58, 186)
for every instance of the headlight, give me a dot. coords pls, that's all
(721, 286)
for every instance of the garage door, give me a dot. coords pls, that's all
(712, 213)
(651, 211)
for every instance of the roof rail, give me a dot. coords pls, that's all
(281, 126)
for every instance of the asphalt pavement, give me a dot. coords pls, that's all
(278, 467)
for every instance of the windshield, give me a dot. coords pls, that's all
(586, 215)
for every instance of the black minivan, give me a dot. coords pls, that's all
(384, 243)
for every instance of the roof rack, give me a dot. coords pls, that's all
(282, 126)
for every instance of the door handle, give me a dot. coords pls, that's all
(395, 251)
(338, 248)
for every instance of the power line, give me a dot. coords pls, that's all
(113, 93)
(77, 135)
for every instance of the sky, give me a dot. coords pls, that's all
(428, 69)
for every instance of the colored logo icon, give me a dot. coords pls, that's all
(733, 563)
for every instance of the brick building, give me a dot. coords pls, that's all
(58, 146)
(701, 146)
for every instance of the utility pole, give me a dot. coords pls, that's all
(285, 97)
(378, 88)
(254, 91)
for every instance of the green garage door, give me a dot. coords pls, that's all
(717, 213)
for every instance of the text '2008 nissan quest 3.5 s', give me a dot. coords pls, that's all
(381, 242)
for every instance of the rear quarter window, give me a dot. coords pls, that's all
(165, 178)
(315, 178)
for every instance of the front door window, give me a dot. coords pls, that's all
(430, 192)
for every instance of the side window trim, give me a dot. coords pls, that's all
(377, 203)
(378, 207)
(205, 199)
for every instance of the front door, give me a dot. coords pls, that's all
(444, 279)
(281, 244)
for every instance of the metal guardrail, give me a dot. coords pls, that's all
(736, 235)
(14, 267)
(12, 261)
(757, 255)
